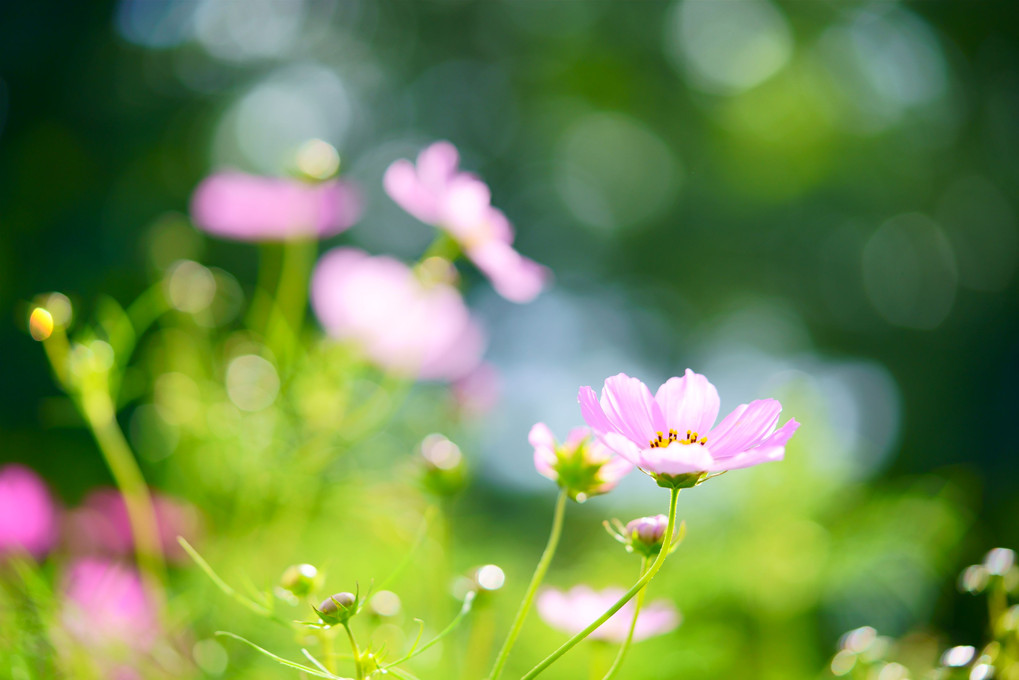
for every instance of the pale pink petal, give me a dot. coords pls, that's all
(676, 459)
(744, 428)
(612, 472)
(513, 276)
(769, 450)
(655, 618)
(28, 516)
(251, 208)
(465, 210)
(689, 403)
(590, 409)
(628, 405)
(106, 606)
(437, 164)
(500, 226)
(574, 610)
(622, 446)
(404, 326)
(402, 184)
(541, 435)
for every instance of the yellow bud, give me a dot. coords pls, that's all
(40, 324)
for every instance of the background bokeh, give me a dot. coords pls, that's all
(812, 200)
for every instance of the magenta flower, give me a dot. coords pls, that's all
(106, 606)
(436, 192)
(28, 517)
(100, 525)
(574, 610)
(401, 323)
(669, 435)
(582, 465)
(243, 207)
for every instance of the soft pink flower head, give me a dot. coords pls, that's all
(574, 610)
(405, 326)
(436, 192)
(106, 606)
(28, 517)
(100, 525)
(671, 435)
(582, 465)
(243, 207)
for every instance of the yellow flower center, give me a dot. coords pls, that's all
(663, 440)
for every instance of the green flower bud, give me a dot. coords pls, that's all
(301, 579)
(338, 608)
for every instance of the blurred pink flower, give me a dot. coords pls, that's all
(670, 434)
(582, 465)
(28, 517)
(243, 207)
(100, 525)
(106, 606)
(437, 193)
(402, 324)
(574, 610)
(477, 392)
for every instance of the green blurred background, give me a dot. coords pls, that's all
(811, 199)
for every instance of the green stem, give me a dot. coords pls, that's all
(614, 668)
(358, 668)
(99, 412)
(532, 588)
(287, 312)
(627, 596)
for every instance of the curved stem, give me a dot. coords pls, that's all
(614, 668)
(627, 596)
(532, 588)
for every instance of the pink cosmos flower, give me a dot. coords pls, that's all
(670, 434)
(436, 192)
(28, 517)
(574, 610)
(106, 606)
(582, 465)
(402, 324)
(101, 525)
(243, 207)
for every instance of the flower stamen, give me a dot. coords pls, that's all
(663, 440)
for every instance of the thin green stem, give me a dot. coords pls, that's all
(627, 596)
(287, 312)
(532, 588)
(358, 667)
(99, 412)
(614, 668)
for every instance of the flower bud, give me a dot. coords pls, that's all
(338, 608)
(999, 561)
(300, 579)
(974, 579)
(648, 530)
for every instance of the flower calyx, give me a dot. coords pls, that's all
(645, 536)
(339, 608)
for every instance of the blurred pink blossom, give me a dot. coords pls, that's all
(404, 325)
(106, 606)
(243, 207)
(574, 610)
(436, 192)
(582, 465)
(100, 525)
(671, 433)
(28, 517)
(478, 392)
